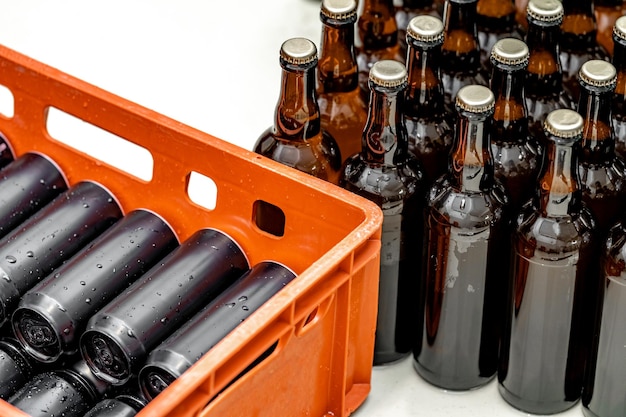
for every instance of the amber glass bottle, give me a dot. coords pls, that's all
(407, 10)
(515, 152)
(578, 41)
(542, 363)
(618, 107)
(342, 108)
(387, 174)
(495, 20)
(520, 13)
(603, 393)
(429, 121)
(463, 285)
(544, 84)
(460, 64)
(378, 35)
(606, 13)
(296, 139)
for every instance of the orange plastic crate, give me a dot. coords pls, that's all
(319, 329)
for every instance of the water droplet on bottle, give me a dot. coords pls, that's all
(83, 283)
(6, 277)
(88, 300)
(30, 254)
(245, 308)
(11, 259)
(164, 320)
(230, 305)
(85, 205)
(66, 331)
(130, 333)
(242, 298)
(99, 266)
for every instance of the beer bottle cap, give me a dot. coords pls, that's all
(619, 29)
(339, 9)
(425, 28)
(547, 12)
(475, 99)
(564, 123)
(298, 51)
(598, 73)
(388, 73)
(510, 51)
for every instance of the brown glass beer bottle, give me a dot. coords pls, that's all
(342, 108)
(578, 41)
(618, 107)
(377, 32)
(429, 121)
(544, 78)
(387, 174)
(495, 20)
(463, 286)
(515, 153)
(460, 64)
(542, 363)
(606, 13)
(407, 10)
(296, 139)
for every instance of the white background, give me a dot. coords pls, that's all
(214, 66)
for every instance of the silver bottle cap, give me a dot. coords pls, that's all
(475, 99)
(425, 28)
(598, 73)
(619, 28)
(298, 51)
(339, 9)
(545, 11)
(388, 73)
(564, 123)
(510, 51)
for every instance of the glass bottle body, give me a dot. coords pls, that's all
(606, 12)
(618, 103)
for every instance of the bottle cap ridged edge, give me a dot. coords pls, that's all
(425, 28)
(598, 73)
(298, 51)
(510, 51)
(546, 11)
(475, 99)
(388, 73)
(339, 9)
(619, 28)
(564, 123)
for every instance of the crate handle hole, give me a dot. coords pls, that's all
(99, 144)
(269, 218)
(202, 190)
(316, 314)
(7, 102)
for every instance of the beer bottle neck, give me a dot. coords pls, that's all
(544, 71)
(377, 25)
(598, 144)
(424, 95)
(579, 23)
(384, 137)
(460, 44)
(510, 112)
(619, 61)
(471, 167)
(337, 68)
(559, 192)
(297, 115)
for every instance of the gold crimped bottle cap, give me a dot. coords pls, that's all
(510, 51)
(545, 11)
(298, 51)
(619, 28)
(564, 123)
(425, 28)
(475, 99)
(339, 9)
(388, 73)
(598, 73)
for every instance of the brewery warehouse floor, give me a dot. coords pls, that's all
(213, 66)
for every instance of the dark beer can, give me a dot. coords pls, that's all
(186, 346)
(120, 336)
(113, 407)
(52, 315)
(60, 393)
(50, 237)
(16, 367)
(26, 185)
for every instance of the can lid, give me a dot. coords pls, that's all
(510, 51)
(426, 28)
(545, 11)
(298, 51)
(475, 99)
(619, 28)
(388, 73)
(598, 73)
(339, 9)
(564, 123)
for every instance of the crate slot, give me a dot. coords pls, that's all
(202, 190)
(100, 144)
(7, 102)
(269, 218)
(316, 314)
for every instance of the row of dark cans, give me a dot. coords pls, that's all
(102, 310)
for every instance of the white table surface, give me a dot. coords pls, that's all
(214, 66)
